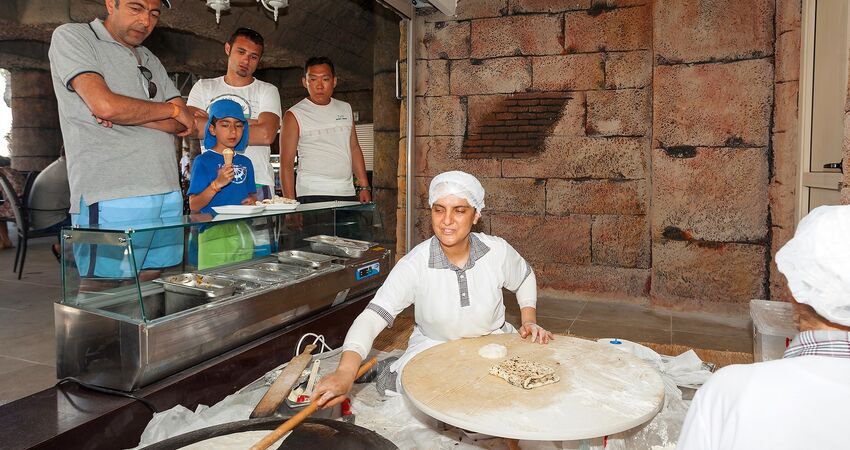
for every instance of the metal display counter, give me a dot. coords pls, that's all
(129, 327)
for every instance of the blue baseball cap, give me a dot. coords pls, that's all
(222, 109)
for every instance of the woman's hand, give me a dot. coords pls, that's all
(333, 389)
(537, 333)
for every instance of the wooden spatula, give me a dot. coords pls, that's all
(279, 390)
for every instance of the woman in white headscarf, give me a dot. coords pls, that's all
(454, 280)
(801, 401)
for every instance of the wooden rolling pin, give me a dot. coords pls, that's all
(296, 420)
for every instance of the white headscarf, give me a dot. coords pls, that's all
(816, 262)
(461, 185)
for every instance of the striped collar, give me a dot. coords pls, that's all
(437, 258)
(820, 343)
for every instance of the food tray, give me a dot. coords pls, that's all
(261, 276)
(337, 246)
(197, 284)
(283, 269)
(238, 209)
(305, 259)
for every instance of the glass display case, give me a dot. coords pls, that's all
(141, 301)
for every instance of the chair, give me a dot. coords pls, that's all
(21, 213)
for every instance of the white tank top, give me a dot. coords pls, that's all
(324, 148)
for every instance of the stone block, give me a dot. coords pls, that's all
(624, 70)
(492, 76)
(710, 194)
(440, 154)
(544, 239)
(603, 4)
(34, 112)
(31, 83)
(32, 163)
(472, 9)
(622, 112)
(693, 276)
(621, 241)
(440, 116)
(713, 104)
(788, 56)
(783, 202)
(35, 142)
(385, 107)
(443, 40)
(788, 15)
(400, 233)
(611, 30)
(517, 35)
(385, 214)
(402, 157)
(583, 157)
(784, 182)
(785, 112)
(385, 162)
(517, 195)
(711, 30)
(596, 197)
(568, 72)
(572, 117)
(479, 107)
(548, 6)
(432, 78)
(611, 282)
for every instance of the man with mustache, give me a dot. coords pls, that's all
(119, 112)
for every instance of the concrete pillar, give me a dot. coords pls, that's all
(36, 136)
(385, 110)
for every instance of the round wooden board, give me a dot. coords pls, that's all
(602, 390)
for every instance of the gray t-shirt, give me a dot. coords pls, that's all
(117, 162)
(49, 196)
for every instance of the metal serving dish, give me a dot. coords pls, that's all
(283, 269)
(198, 285)
(305, 259)
(261, 276)
(337, 246)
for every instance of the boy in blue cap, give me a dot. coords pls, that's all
(218, 181)
(214, 182)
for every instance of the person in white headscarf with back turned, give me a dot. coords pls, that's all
(454, 280)
(801, 401)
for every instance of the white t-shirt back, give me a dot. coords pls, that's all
(255, 98)
(324, 148)
(786, 404)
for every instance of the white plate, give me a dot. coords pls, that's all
(281, 206)
(239, 209)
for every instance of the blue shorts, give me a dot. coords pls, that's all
(154, 249)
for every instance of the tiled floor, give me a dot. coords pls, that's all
(28, 354)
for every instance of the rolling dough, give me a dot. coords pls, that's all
(493, 351)
(525, 374)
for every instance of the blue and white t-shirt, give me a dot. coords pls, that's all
(205, 170)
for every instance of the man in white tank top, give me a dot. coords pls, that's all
(320, 130)
(260, 102)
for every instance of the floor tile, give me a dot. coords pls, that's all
(713, 342)
(38, 347)
(628, 315)
(595, 329)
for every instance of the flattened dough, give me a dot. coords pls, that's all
(525, 374)
(493, 351)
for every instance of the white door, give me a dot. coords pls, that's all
(823, 95)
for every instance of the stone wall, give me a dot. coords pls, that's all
(659, 178)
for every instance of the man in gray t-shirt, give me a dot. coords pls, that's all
(119, 112)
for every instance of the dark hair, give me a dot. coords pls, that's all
(318, 61)
(249, 34)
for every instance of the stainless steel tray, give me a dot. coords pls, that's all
(260, 276)
(337, 246)
(283, 269)
(197, 284)
(305, 259)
